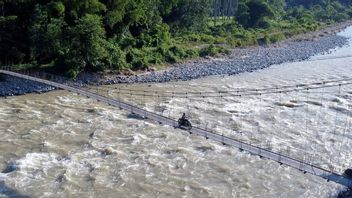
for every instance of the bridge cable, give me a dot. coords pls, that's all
(221, 97)
(307, 109)
(255, 117)
(240, 95)
(243, 89)
(322, 92)
(259, 112)
(349, 119)
(338, 100)
(252, 94)
(343, 136)
(237, 90)
(295, 113)
(318, 121)
(279, 96)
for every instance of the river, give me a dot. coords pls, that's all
(60, 144)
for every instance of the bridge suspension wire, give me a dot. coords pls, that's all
(348, 113)
(255, 150)
(306, 156)
(274, 124)
(345, 128)
(320, 111)
(226, 94)
(318, 121)
(259, 110)
(254, 113)
(307, 109)
(235, 90)
(348, 122)
(338, 99)
(240, 112)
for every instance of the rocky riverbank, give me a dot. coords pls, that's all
(241, 60)
(251, 60)
(15, 86)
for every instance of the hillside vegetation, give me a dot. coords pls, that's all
(70, 36)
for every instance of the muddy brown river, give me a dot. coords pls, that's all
(60, 144)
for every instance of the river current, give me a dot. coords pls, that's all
(60, 144)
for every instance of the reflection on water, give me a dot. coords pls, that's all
(62, 145)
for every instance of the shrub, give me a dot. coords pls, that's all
(116, 57)
(266, 38)
(72, 73)
(274, 38)
(199, 38)
(137, 59)
(212, 50)
(178, 51)
(171, 57)
(220, 40)
(192, 53)
(341, 17)
(264, 24)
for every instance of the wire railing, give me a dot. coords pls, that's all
(243, 146)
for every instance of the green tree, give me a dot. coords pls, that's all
(242, 15)
(116, 11)
(14, 21)
(46, 35)
(254, 13)
(187, 14)
(82, 35)
(78, 8)
(278, 7)
(87, 46)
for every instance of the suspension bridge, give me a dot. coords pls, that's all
(282, 159)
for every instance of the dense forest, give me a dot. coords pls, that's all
(71, 36)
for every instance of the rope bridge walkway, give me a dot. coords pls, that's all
(282, 159)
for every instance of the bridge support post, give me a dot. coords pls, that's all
(223, 139)
(260, 154)
(241, 147)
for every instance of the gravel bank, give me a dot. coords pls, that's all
(241, 60)
(251, 60)
(14, 86)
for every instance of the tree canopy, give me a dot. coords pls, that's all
(77, 35)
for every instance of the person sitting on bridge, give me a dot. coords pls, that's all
(184, 122)
(183, 118)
